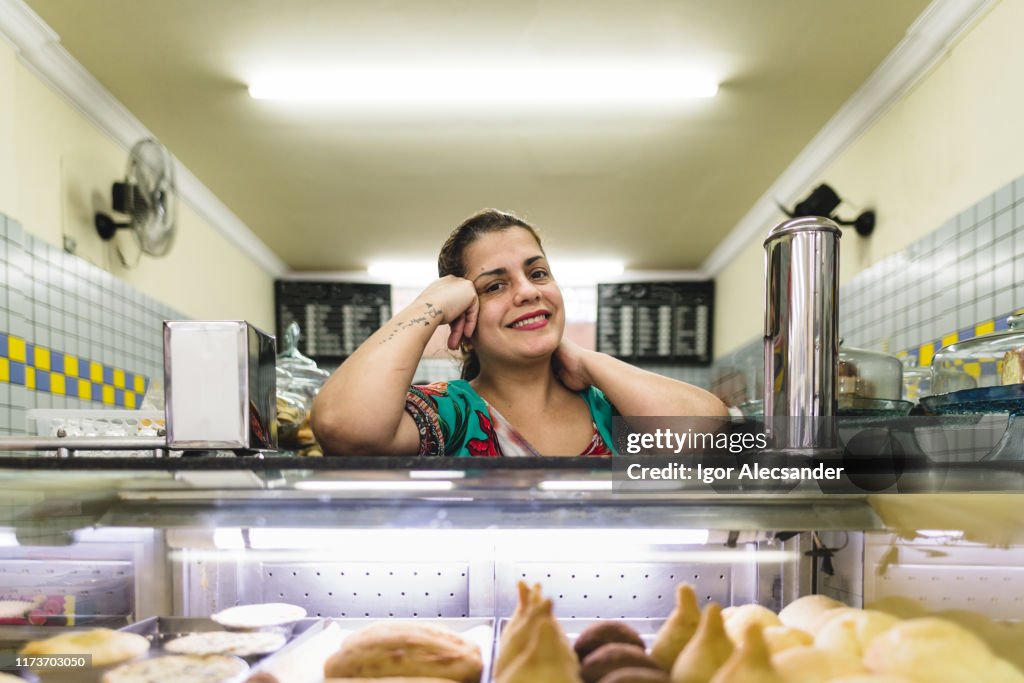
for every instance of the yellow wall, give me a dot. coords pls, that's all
(56, 169)
(954, 138)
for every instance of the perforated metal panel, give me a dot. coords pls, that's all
(371, 589)
(603, 590)
(946, 575)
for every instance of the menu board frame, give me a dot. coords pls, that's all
(340, 309)
(657, 321)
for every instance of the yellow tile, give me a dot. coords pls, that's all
(16, 349)
(57, 384)
(925, 354)
(973, 369)
(42, 358)
(5, 370)
(119, 378)
(96, 372)
(985, 327)
(84, 389)
(70, 365)
(108, 394)
(129, 400)
(140, 384)
(951, 338)
(30, 377)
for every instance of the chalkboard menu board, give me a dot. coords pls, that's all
(335, 317)
(669, 322)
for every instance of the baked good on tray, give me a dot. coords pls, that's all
(180, 669)
(242, 644)
(106, 646)
(406, 649)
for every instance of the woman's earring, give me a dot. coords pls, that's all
(465, 346)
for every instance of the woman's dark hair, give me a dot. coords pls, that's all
(451, 259)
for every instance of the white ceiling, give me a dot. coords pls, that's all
(330, 189)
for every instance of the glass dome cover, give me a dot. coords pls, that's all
(865, 374)
(988, 360)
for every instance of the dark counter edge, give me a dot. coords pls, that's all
(277, 462)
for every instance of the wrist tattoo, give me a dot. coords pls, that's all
(432, 312)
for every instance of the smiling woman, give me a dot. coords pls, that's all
(525, 389)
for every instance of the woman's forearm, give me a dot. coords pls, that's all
(361, 405)
(637, 393)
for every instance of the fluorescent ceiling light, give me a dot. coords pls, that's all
(617, 84)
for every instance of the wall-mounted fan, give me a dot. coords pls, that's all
(148, 196)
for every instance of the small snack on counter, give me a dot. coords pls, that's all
(852, 630)
(532, 611)
(706, 652)
(750, 662)
(406, 649)
(933, 649)
(1013, 367)
(107, 647)
(810, 664)
(677, 630)
(227, 643)
(260, 616)
(804, 613)
(781, 638)
(547, 658)
(737, 619)
(636, 675)
(602, 633)
(180, 669)
(613, 656)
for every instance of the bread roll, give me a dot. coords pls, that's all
(851, 631)
(872, 678)
(803, 612)
(810, 664)
(779, 638)
(406, 649)
(604, 632)
(677, 630)
(706, 652)
(737, 619)
(750, 662)
(180, 669)
(612, 656)
(932, 650)
(636, 675)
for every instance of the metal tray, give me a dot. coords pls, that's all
(1008, 398)
(856, 406)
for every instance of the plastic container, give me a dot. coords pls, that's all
(95, 423)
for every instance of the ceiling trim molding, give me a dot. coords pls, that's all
(927, 41)
(38, 47)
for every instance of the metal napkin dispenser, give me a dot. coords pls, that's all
(219, 385)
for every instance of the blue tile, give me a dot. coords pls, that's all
(17, 373)
(119, 397)
(108, 374)
(97, 392)
(57, 362)
(4, 352)
(42, 380)
(1001, 323)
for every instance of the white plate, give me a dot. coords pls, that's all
(259, 616)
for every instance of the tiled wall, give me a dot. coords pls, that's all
(71, 334)
(961, 280)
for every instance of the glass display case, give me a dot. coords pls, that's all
(988, 360)
(370, 539)
(869, 383)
